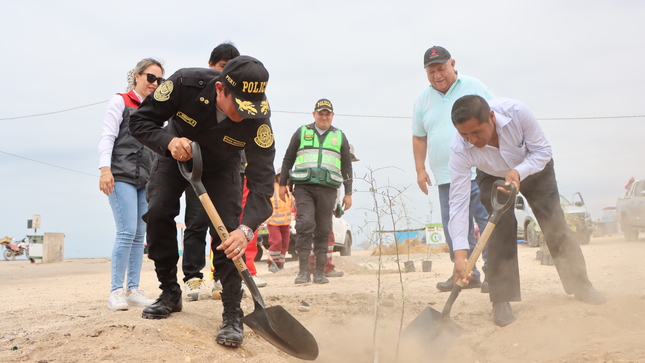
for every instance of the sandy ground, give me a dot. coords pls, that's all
(58, 313)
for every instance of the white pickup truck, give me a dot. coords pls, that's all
(575, 213)
(631, 210)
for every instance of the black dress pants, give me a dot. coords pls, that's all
(541, 192)
(194, 255)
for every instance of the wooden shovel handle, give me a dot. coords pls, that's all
(498, 210)
(219, 226)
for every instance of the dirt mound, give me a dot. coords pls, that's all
(345, 264)
(410, 246)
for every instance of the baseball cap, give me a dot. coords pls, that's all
(323, 104)
(436, 54)
(247, 79)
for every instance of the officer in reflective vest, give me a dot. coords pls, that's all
(320, 157)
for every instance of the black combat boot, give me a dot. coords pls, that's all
(170, 299)
(232, 331)
(304, 275)
(319, 268)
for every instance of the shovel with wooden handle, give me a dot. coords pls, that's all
(274, 323)
(430, 322)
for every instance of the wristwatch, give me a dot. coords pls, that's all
(248, 232)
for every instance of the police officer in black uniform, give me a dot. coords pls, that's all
(224, 113)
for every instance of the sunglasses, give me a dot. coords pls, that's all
(151, 78)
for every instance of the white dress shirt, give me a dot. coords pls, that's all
(522, 146)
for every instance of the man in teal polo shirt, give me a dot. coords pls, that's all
(432, 132)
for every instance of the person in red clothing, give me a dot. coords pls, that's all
(252, 246)
(279, 226)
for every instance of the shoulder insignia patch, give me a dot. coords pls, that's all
(187, 119)
(162, 93)
(265, 137)
(232, 141)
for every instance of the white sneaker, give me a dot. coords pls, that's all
(137, 298)
(193, 288)
(117, 300)
(258, 282)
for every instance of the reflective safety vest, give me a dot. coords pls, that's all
(318, 163)
(281, 210)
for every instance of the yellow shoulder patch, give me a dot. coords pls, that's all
(162, 93)
(187, 119)
(265, 137)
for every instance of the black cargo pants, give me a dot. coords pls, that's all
(164, 189)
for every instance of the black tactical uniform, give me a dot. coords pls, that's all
(187, 99)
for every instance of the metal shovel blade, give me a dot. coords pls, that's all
(430, 323)
(281, 329)
(275, 324)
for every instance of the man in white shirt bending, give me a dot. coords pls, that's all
(504, 141)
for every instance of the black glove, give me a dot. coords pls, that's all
(338, 212)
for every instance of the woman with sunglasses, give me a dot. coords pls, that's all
(125, 165)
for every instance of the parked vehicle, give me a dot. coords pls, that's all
(575, 213)
(343, 237)
(631, 210)
(527, 226)
(13, 250)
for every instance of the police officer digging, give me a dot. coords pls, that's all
(320, 156)
(224, 113)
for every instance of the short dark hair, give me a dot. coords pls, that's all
(468, 107)
(226, 88)
(224, 51)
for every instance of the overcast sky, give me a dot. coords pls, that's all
(564, 59)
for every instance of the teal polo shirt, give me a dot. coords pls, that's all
(431, 118)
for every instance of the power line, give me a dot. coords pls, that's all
(540, 118)
(53, 112)
(52, 165)
(589, 118)
(340, 114)
(288, 112)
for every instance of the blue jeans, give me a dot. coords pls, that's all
(477, 211)
(480, 215)
(128, 204)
